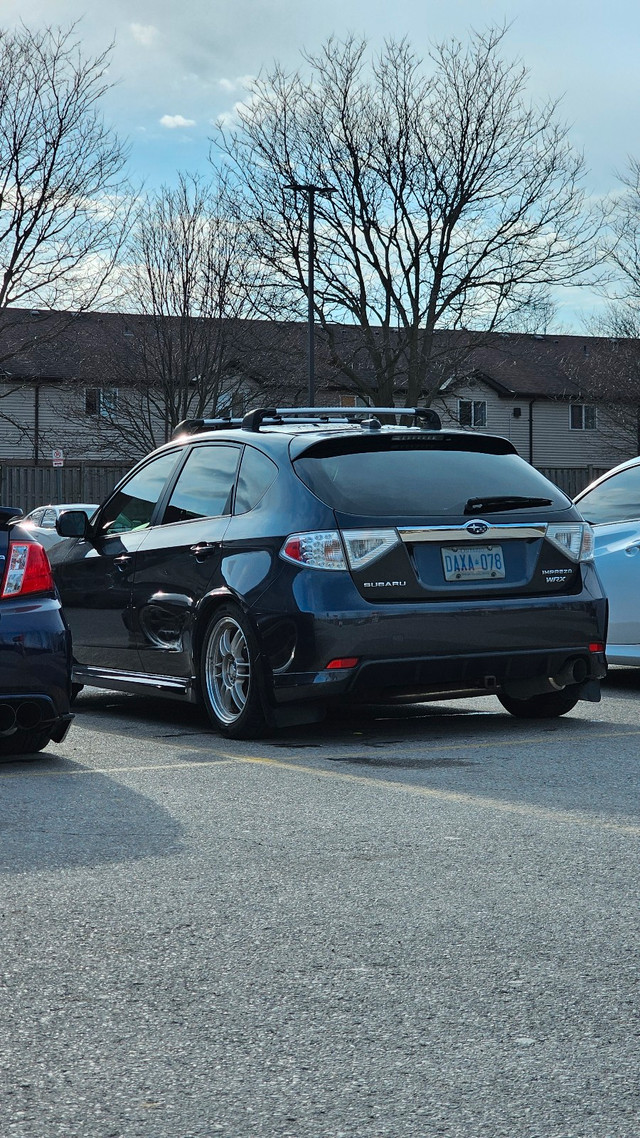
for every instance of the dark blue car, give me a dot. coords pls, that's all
(272, 567)
(35, 646)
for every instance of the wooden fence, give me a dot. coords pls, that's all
(31, 486)
(572, 479)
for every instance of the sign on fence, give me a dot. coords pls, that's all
(57, 456)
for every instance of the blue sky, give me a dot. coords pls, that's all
(179, 65)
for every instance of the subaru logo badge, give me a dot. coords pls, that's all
(476, 527)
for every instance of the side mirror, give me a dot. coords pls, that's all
(73, 523)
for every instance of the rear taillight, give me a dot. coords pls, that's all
(364, 546)
(28, 570)
(326, 550)
(320, 550)
(575, 539)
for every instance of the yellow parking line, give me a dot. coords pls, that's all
(458, 798)
(453, 796)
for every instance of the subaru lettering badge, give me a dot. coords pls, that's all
(477, 527)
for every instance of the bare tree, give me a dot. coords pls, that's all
(188, 273)
(454, 203)
(610, 379)
(63, 204)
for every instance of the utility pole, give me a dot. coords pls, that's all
(311, 191)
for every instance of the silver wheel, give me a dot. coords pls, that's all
(227, 670)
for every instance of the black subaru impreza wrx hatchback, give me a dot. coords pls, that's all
(272, 566)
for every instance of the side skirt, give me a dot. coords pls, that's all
(141, 682)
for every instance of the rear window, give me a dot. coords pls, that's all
(385, 481)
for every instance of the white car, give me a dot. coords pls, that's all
(612, 505)
(41, 522)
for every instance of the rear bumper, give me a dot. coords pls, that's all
(434, 648)
(35, 656)
(445, 676)
(32, 711)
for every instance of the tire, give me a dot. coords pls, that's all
(23, 742)
(546, 706)
(231, 675)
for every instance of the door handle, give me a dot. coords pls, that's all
(122, 561)
(204, 549)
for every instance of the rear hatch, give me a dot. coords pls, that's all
(435, 516)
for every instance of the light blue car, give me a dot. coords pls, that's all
(612, 505)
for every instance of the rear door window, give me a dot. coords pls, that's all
(205, 485)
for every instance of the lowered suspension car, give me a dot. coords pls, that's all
(272, 566)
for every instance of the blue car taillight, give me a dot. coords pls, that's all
(27, 570)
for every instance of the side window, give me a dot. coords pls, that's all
(616, 500)
(49, 519)
(257, 472)
(35, 517)
(132, 507)
(205, 486)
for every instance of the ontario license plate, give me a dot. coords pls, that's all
(472, 563)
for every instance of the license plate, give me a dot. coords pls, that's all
(472, 563)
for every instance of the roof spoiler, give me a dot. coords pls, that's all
(7, 514)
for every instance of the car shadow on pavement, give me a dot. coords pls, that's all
(55, 813)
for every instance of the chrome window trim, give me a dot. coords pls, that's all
(457, 533)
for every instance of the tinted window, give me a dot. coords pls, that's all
(132, 507)
(616, 500)
(205, 485)
(410, 481)
(257, 472)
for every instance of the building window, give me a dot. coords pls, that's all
(582, 417)
(472, 412)
(102, 401)
(351, 401)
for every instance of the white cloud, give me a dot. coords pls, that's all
(145, 34)
(172, 122)
(240, 83)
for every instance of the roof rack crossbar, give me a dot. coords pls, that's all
(253, 420)
(422, 416)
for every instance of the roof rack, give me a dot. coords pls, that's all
(192, 426)
(424, 417)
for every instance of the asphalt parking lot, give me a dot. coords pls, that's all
(405, 922)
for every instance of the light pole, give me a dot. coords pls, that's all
(311, 191)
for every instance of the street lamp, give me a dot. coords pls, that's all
(311, 191)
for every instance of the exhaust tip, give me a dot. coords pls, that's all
(28, 715)
(7, 718)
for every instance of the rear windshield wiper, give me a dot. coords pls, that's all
(503, 502)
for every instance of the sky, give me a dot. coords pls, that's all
(178, 65)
